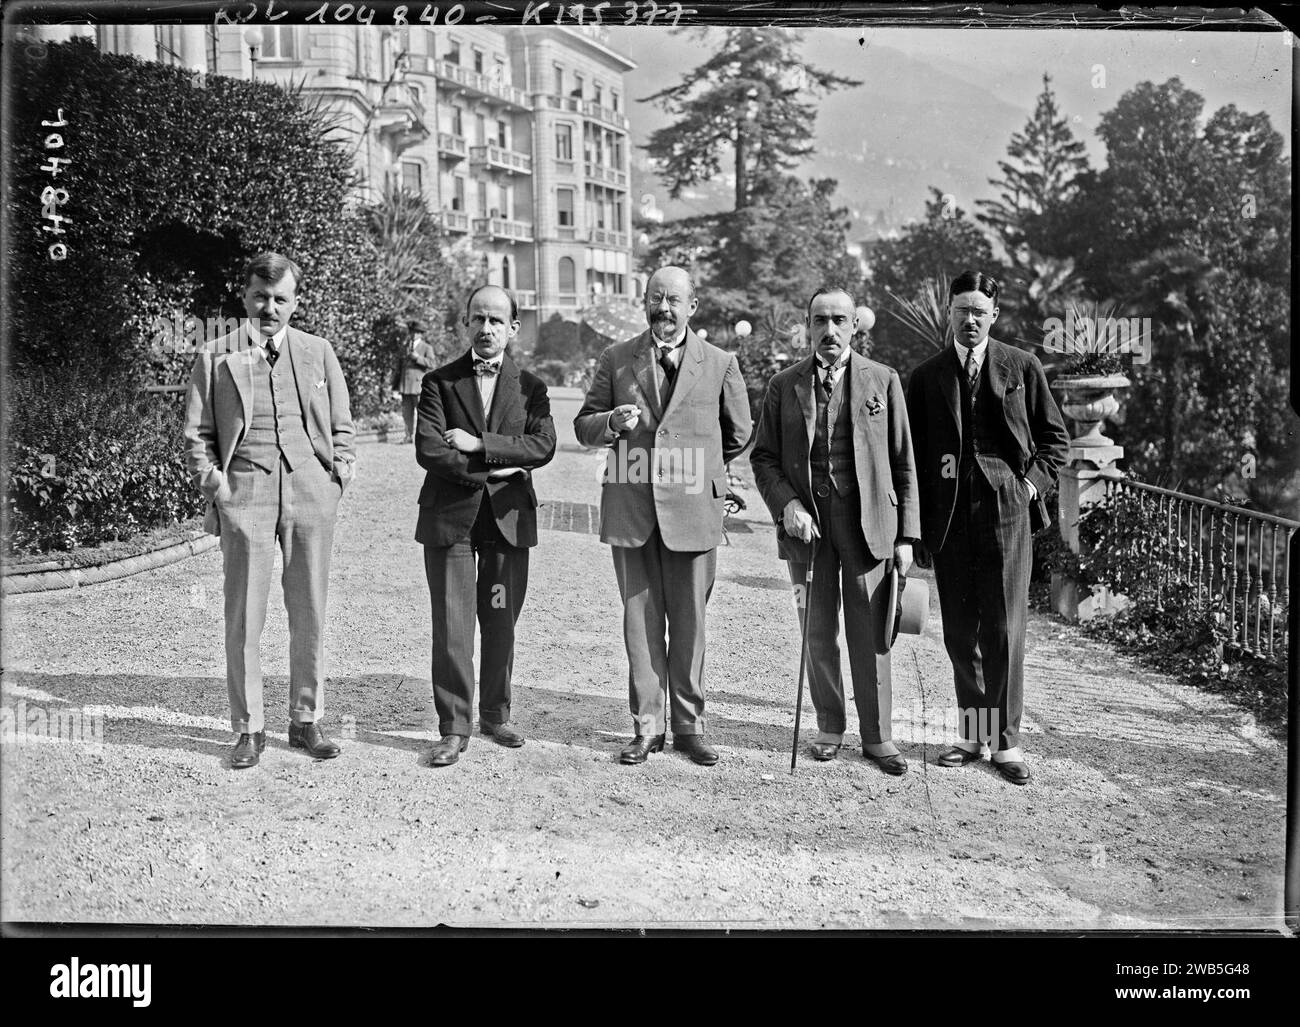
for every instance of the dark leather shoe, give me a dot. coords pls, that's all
(892, 764)
(1015, 771)
(641, 747)
(957, 757)
(247, 749)
(312, 738)
(447, 750)
(824, 750)
(696, 748)
(502, 735)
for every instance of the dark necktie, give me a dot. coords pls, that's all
(972, 374)
(827, 384)
(272, 354)
(666, 362)
(485, 368)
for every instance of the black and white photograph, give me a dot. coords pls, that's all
(542, 467)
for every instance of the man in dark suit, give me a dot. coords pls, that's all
(408, 375)
(674, 411)
(832, 460)
(269, 441)
(483, 426)
(989, 441)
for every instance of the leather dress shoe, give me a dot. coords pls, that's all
(957, 757)
(1015, 771)
(447, 749)
(696, 748)
(824, 750)
(247, 750)
(502, 735)
(891, 764)
(641, 747)
(312, 738)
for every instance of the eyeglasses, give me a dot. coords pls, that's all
(976, 312)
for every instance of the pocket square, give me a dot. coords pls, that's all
(319, 384)
(875, 406)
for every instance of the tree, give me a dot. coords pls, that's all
(1038, 181)
(1197, 238)
(748, 98)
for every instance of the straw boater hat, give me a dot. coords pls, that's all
(907, 608)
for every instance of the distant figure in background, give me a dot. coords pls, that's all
(418, 359)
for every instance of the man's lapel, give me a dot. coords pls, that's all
(466, 388)
(688, 370)
(995, 365)
(644, 373)
(803, 386)
(503, 397)
(949, 369)
(303, 366)
(240, 365)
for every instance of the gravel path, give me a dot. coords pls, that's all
(1153, 804)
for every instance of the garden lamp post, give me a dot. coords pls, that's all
(253, 37)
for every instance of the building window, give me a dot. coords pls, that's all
(577, 86)
(480, 126)
(559, 80)
(564, 142)
(502, 136)
(457, 122)
(458, 194)
(279, 43)
(413, 177)
(564, 207)
(613, 98)
(478, 60)
(499, 72)
(505, 272)
(598, 94)
(453, 51)
(568, 281)
(482, 199)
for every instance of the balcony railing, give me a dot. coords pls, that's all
(605, 237)
(527, 299)
(1227, 555)
(485, 86)
(606, 114)
(452, 145)
(566, 299)
(498, 157)
(607, 176)
(455, 221)
(504, 228)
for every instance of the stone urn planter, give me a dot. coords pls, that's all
(1088, 399)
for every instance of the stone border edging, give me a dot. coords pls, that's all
(75, 577)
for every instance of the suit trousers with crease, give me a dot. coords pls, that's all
(982, 574)
(482, 576)
(663, 586)
(297, 508)
(844, 567)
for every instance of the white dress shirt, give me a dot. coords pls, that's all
(487, 383)
(260, 341)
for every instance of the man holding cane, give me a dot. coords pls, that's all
(833, 462)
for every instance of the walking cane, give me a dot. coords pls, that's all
(803, 651)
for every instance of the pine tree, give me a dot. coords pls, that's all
(749, 98)
(1039, 180)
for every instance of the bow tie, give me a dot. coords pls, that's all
(486, 368)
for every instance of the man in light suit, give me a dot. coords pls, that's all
(832, 460)
(408, 374)
(484, 425)
(269, 441)
(989, 441)
(674, 411)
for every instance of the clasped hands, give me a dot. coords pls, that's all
(799, 524)
(463, 442)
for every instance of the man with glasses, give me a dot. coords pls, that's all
(673, 411)
(989, 441)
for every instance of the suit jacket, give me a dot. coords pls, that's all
(220, 406)
(1034, 440)
(516, 432)
(411, 367)
(670, 470)
(882, 453)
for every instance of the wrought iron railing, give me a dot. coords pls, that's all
(1225, 554)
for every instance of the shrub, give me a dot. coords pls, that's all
(95, 460)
